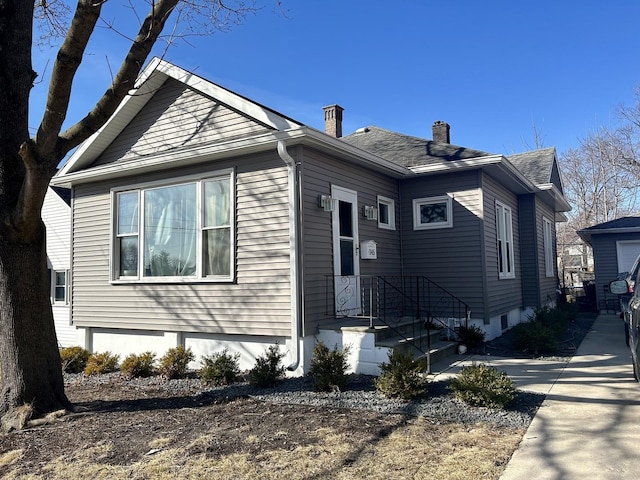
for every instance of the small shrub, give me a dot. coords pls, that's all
(328, 367)
(220, 368)
(555, 318)
(481, 385)
(402, 377)
(173, 364)
(139, 365)
(100, 363)
(534, 337)
(472, 336)
(268, 368)
(74, 359)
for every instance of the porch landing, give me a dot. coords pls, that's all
(372, 344)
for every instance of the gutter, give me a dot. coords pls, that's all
(294, 259)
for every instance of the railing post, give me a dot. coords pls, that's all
(371, 302)
(428, 343)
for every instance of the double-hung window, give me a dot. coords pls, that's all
(504, 233)
(549, 258)
(177, 232)
(59, 286)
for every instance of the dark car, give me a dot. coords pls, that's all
(627, 292)
(630, 306)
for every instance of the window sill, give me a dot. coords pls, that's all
(171, 281)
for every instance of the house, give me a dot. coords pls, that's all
(203, 219)
(616, 245)
(56, 215)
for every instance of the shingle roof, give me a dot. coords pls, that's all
(535, 165)
(406, 150)
(618, 223)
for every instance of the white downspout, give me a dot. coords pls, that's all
(294, 242)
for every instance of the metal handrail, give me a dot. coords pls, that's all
(390, 300)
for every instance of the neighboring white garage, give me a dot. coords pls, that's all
(615, 244)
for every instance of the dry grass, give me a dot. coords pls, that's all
(418, 449)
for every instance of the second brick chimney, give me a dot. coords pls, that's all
(441, 132)
(333, 120)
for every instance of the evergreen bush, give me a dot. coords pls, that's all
(100, 363)
(220, 368)
(74, 359)
(173, 364)
(472, 336)
(481, 385)
(268, 368)
(138, 365)
(328, 367)
(402, 377)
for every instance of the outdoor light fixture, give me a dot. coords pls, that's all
(370, 212)
(326, 203)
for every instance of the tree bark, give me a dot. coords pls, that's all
(29, 358)
(30, 367)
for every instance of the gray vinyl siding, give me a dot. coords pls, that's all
(548, 285)
(451, 257)
(503, 294)
(177, 117)
(319, 173)
(531, 246)
(257, 303)
(605, 258)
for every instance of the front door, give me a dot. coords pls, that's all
(346, 265)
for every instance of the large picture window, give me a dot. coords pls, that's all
(504, 233)
(176, 232)
(433, 212)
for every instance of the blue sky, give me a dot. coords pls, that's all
(491, 69)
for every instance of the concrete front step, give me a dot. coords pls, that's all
(438, 348)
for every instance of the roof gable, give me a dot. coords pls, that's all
(155, 77)
(178, 117)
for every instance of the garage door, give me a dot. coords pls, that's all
(628, 251)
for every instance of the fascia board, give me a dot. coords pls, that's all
(183, 157)
(457, 165)
(237, 102)
(561, 203)
(495, 165)
(92, 147)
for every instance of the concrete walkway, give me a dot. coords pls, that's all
(588, 427)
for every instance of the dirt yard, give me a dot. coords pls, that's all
(124, 432)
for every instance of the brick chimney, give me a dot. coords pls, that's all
(441, 132)
(333, 120)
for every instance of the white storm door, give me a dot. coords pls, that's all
(346, 264)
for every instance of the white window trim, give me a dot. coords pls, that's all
(54, 285)
(114, 261)
(549, 258)
(391, 206)
(418, 202)
(504, 232)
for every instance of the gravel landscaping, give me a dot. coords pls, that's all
(439, 401)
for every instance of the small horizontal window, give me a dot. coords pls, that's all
(432, 212)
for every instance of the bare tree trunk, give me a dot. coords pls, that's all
(30, 370)
(29, 358)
